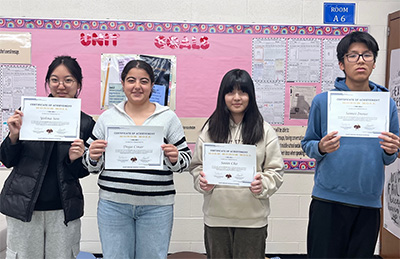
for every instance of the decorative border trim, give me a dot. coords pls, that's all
(300, 165)
(21, 23)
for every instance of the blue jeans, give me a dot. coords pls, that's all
(128, 231)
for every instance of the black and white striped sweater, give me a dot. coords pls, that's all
(141, 187)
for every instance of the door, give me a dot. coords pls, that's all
(390, 244)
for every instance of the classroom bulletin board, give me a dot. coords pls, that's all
(289, 64)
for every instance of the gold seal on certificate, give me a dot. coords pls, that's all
(229, 164)
(50, 118)
(134, 147)
(358, 114)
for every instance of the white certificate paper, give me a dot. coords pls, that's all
(358, 114)
(229, 164)
(50, 118)
(134, 147)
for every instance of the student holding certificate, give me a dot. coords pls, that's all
(42, 197)
(135, 210)
(344, 217)
(236, 218)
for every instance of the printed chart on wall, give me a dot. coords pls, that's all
(289, 64)
(288, 74)
(15, 81)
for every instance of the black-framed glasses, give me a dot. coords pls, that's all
(56, 82)
(354, 57)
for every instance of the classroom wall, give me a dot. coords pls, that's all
(288, 219)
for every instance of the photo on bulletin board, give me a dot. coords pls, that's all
(164, 72)
(162, 75)
(159, 94)
(300, 101)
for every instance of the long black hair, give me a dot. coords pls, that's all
(252, 123)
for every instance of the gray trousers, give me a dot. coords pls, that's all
(231, 242)
(46, 236)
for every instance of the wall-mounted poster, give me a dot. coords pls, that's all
(394, 78)
(391, 199)
(15, 47)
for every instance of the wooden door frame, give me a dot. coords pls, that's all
(389, 245)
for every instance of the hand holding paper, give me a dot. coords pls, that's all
(256, 185)
(76, 150)
(390, 142)
(14, 125)
(204, 183)
(171, 152)
(329, 143)
(97, 148)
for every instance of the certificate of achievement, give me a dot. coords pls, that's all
(229, 164)
(50, 118)
(134, 147)
(358, 114)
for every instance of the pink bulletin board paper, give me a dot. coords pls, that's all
(204, 53)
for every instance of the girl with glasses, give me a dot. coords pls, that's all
(42, 197)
